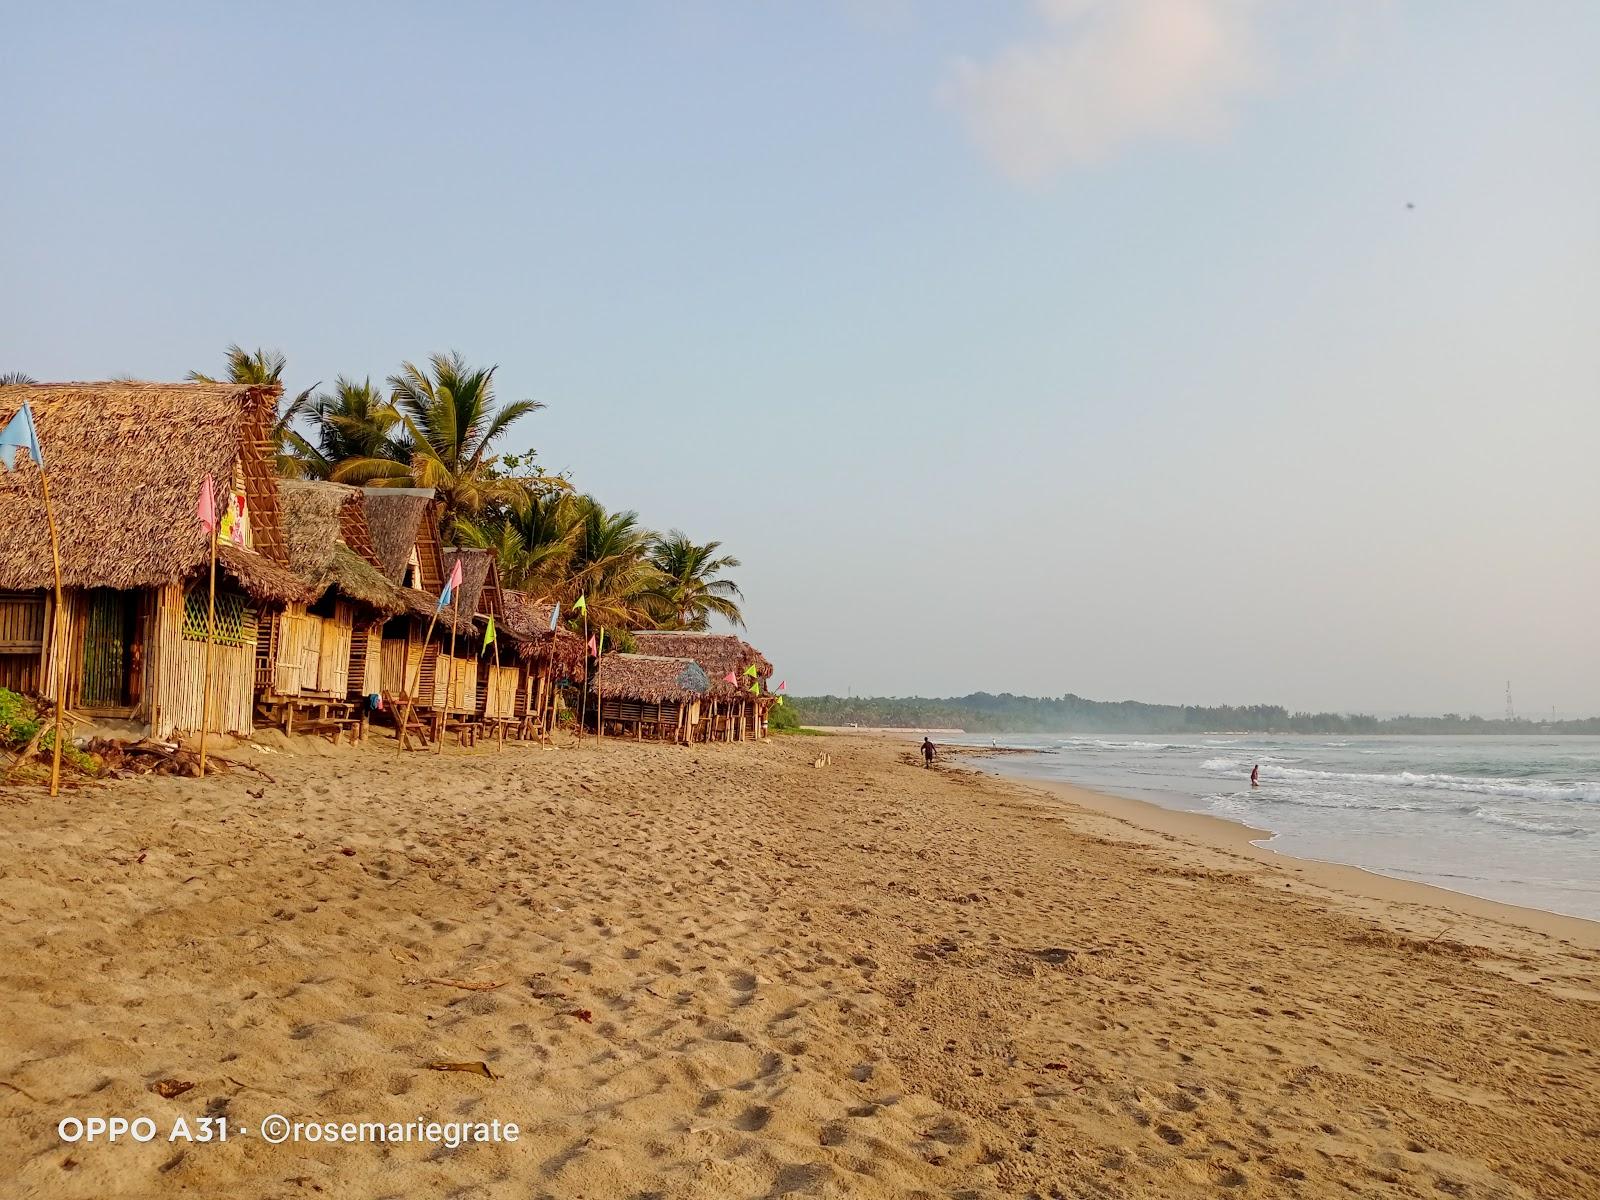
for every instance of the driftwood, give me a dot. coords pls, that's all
(471, 1068)
(148, 756)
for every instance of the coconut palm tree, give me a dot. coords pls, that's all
(449, 424)
(534, 544)
(610, 567)
(355, 420)
(689, 593)
(264, 367)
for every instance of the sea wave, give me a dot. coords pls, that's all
(1524, 788)
(1527, 823)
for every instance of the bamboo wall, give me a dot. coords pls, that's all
(500, 702)
(455, 688)
(176, 674)
(24, 618)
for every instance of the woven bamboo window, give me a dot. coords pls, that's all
(235, 621)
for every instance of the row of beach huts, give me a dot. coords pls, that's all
(327, 615)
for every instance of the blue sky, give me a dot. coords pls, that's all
(1080, 345)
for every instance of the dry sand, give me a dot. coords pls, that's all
(856, 980)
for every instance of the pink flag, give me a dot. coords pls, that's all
(206, 509)
(782, 685)
(592, 649)
(730, 677)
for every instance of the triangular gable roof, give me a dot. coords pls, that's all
(126, 463)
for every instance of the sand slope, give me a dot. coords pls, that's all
(864, 980)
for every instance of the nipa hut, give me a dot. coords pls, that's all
(553, 656)
(736, 703)
(322, 658)
(652, 695)
(126, 463)
(404, 524)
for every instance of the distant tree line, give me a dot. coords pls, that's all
(983, 712)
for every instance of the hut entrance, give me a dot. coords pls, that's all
(111, 647)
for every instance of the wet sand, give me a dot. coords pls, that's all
(728, 972)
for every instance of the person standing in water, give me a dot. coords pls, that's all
(1255, 775)
(927, 752)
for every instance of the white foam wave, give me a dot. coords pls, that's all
(1550, 827)
(1526, 789)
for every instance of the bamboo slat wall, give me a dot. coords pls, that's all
(366, 662)
(455, 689)
(178, 669)
(395, 678)
(500, 704)
(23, 621)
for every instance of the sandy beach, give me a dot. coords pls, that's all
(730, 972)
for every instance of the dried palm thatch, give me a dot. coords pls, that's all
(718, 654)
(561, 648)
(394, 515)
(475, 565)
(320, 519)
(127, 461)
(652, 678)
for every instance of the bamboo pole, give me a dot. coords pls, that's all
(583, 692)
(56, 645)
(450, 671)
(211, 637)
(411, 686)
(599, 703)
(489, 693)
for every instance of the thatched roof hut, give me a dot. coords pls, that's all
(126, 462)
(655, 679)
(330, 546)
(531, 619)
(718, 654)
(480, 582)
(403, 524)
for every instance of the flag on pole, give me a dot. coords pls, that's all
(730, 677)
(782, 685)
(581, 605)
(779, 700)
(20, 434)
(755, 689)
(206, 507)
(555, 615)
(488, 634)
(451, 584)
(592, 648)
(751, 671)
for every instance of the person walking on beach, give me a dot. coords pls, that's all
(1255, 775)
(927, 752)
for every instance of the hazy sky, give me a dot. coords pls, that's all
(1081, 345)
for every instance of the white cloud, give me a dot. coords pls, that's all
(1106, 73)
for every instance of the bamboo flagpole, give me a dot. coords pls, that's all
(599, 704)
(583, 693)
(450, 671)
(404, 718)
(20, 433)
(494, 682)
(207, 510)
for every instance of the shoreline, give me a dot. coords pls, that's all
(1236, 837)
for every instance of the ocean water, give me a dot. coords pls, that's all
(1515, 819)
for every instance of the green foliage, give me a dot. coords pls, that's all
(689, 593)
(982, 712)
(19, 720)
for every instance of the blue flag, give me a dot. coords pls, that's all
(555, 615)
(19, 434)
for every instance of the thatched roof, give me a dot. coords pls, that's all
(717, 654)
(652, 678)
(531, 619)
(321, 520)
(394, 515)
(475, 566)
(126, 463)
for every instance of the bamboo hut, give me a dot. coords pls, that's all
(404, 526)
(322, 657)
(736, 708)
(551, 656)
(127, 461)
(652, 695)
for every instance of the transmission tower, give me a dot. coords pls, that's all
(1511, 713)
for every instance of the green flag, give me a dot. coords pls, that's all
(582, 605)
(755, 689)
(751, 671)
(488, 634)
